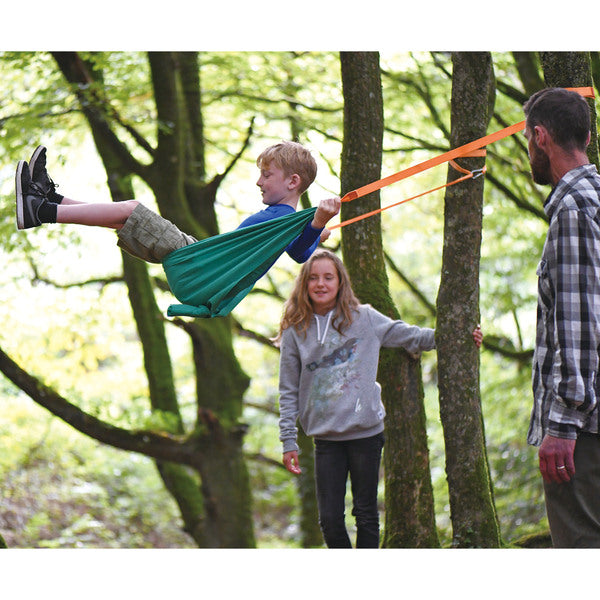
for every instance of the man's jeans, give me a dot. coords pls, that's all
(333, 462)
(573, 508)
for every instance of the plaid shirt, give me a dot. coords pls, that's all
(566, 358)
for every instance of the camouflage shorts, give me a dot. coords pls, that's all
(148, 236)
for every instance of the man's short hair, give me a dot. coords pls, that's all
(290, 157)
(565, 114)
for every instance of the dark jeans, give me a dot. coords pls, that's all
(333, 462)
(573, 508)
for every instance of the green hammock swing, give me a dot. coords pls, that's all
(212, 276)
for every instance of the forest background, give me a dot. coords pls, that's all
(69, 304)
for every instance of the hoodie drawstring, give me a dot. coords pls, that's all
(320, 339)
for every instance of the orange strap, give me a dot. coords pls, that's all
(468, 175)
(465, 150)
(432, 162)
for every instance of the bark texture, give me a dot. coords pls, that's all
(573, 69)
(472, 508)
(214, 498)
(528, 67)
(409, 514)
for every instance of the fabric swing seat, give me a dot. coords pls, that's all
(212, 276)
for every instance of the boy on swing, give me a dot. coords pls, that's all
(286, 170)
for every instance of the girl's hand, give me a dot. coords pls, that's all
(478, 336)
(290, 461)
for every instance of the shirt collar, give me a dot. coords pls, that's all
(564, 185)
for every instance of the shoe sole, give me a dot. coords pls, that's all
(19, 194)
(34, 157)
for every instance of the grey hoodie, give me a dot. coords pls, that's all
(328, 380)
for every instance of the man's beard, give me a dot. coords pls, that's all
(540, 166)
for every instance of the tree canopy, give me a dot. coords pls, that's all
(84, 330)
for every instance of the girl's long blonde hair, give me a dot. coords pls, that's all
(298, 309)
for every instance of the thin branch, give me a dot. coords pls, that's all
(415, 290)
(83, 83)
(102, 281)
(237, 156)
(283, 99)
(240, 330)
(505, 348)
(258, 457)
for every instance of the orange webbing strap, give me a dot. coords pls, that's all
(586, 92)
(468, 175)
(433, 162)
(447, 156)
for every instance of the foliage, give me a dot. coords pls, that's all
(60, 489)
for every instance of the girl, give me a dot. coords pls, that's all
(329, 356)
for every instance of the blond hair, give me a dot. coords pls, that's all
(292, 158)
(298, 310)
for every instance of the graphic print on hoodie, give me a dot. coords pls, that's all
(336, 374)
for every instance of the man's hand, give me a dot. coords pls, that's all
(556, 459)
(326, 210)
(290, 461)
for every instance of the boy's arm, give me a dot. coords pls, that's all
(306, 243)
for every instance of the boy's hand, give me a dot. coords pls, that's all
(326, 210)
(325, 235)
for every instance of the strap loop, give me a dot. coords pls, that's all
(474, 148)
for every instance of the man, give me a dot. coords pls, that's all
(564, 420)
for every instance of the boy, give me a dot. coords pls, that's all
(286, 170)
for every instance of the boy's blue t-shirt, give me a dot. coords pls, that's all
(303, 246)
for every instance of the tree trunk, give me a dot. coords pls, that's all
(310, 531)
(471, 502)
(409, 513)
(157, 363)
(573, 69)
(528, 66)
(218, 513)
(595, 61)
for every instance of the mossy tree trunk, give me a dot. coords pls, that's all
(528, 67)
(409, 513)
(573, 69)
(310, 531)
(472, 508)
(595, 64)
(215, 503)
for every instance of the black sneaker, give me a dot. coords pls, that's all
(30, 197)
(39, 175)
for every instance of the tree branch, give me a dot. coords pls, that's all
(505, 348)
(415, 290)
(240, 330)
(156, 445)
(97, 109)
(103, 281)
